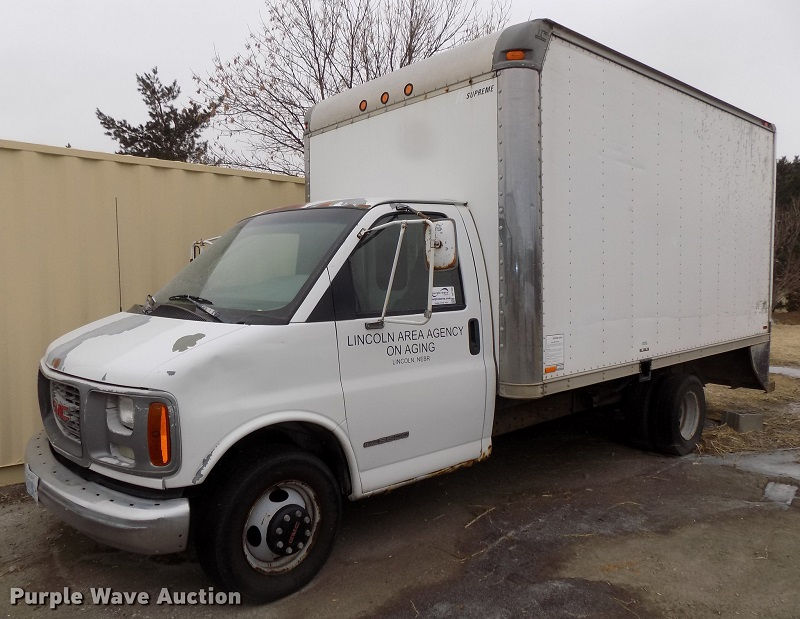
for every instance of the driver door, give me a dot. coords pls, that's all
(415, 394)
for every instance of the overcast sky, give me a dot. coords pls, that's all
(60, 59)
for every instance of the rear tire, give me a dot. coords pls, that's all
(637, 407)
(678, 415)
(268, 526)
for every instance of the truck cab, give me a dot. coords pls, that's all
(342, 340)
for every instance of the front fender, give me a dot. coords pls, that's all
(273, 419)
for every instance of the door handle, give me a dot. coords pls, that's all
(474, 336)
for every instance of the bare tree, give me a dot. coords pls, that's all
(786, 278)
(308, 50)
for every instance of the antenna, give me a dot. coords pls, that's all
(119, 267)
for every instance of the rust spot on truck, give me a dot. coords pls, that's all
(461, 465)
(449, 265)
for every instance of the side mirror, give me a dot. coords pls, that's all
(445, 256)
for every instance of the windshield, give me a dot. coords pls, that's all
(260, 270)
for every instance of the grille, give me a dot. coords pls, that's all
(66, 405)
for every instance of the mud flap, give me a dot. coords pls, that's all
(759, 362)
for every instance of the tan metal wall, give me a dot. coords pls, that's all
(58, 249)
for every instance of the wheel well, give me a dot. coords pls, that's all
(307, 437)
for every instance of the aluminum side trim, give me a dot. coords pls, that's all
(534, 37)
(520, 222)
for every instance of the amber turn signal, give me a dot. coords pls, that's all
(515, 54)
(408, 89)
(363, 105)
(385, 98)
(158, 439)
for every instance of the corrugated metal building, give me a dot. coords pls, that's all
(85, 234)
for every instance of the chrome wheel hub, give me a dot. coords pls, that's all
(280, 528)
(690, 415)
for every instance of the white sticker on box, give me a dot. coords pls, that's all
(553, 353)
(444, 295)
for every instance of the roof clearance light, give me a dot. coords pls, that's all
(515, 54)
(408, 90)
(363, 105)
(385, 98)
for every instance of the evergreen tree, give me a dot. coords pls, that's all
(170, 133)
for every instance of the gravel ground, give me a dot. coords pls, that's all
(562, 521)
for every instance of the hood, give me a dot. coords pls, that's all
(124, 349)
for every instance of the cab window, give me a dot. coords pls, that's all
(360, 287)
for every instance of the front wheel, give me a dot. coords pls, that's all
(268, 527)
(679, 415)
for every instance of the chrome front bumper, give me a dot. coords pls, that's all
(148, 526)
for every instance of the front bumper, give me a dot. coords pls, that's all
(148, 526)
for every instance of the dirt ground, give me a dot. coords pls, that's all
(564, 520)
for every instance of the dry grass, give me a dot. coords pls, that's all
(781, 408)
(781, 431)
(785, 346)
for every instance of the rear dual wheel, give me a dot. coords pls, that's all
(679, 414)
(667, 415)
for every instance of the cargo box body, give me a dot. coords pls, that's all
(656, 218)
(624, 217)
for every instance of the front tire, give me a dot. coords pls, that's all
(679, 415)
(268, 526)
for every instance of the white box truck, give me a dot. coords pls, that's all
(562, 227)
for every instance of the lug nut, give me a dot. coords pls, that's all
(298, 513)
(289, 550)
(279, 544)
(300, 545)
(308, 533)
(286, 517)
(279, 531)
(306, 519)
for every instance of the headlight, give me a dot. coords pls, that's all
(120, 414)
(126, 411)
(140, 433)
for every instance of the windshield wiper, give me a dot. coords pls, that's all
(200, 303)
